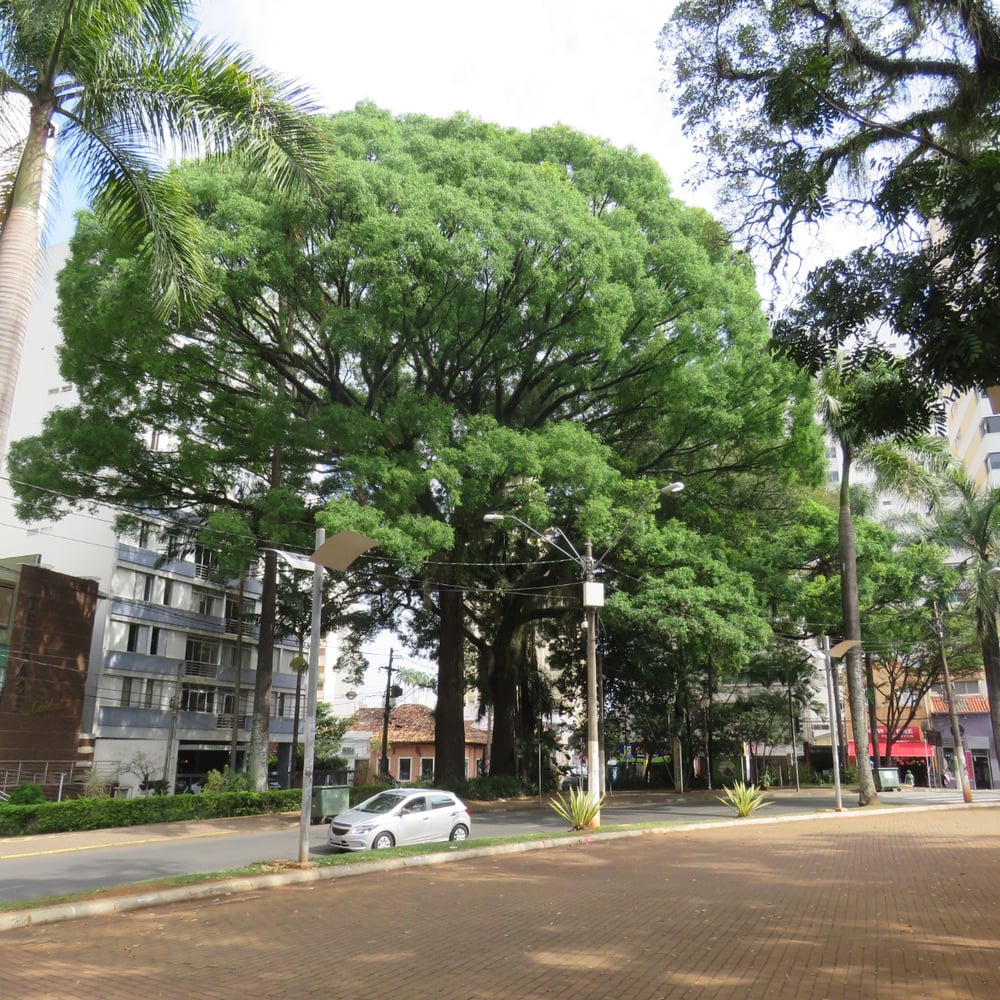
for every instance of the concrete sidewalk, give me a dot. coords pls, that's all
(867, 904)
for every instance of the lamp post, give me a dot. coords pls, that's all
(593, 598)
(704, 704)
(828, 656)
(336, 552)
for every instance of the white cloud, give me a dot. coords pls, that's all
(590, 65)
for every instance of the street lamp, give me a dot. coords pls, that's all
(705, 703)
(336, 552)
(593, 598)
(828, 656)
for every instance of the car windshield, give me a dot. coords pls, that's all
(382, 803)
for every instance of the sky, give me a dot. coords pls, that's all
(587, 64)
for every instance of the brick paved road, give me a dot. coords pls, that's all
(877, 905)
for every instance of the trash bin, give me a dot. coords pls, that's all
(328, 800)
(887, 779)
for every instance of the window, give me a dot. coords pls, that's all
(426, 768)
(198, 699)
(126, 696)
(405, 769)
(991, 425)
(205, 603)
(907, 696)
(993, 461)
(202, 657)
(6, 605)
(833, 476)
(157, 645)
(149, 693)
(137, 638)
(205, 561)
(168, 592)
(142, 586)
(966, 687)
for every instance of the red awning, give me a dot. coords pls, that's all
(901, 748)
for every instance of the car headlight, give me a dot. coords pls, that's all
(364, 828)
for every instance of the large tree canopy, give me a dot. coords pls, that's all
(887, 113)
(473, 319)
(115, 89)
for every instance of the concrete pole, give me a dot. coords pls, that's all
(593, 743)
(309, 741)
(834, 732)
(958, 762)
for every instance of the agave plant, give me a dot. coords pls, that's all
(579, 809)
(744, 799)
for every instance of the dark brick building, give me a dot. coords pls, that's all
(46, 623)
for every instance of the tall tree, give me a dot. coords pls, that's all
(846, 396)
(473, 319)
(883, 113)
(969, 522)
(115, 88)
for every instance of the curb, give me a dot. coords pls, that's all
(42, 915)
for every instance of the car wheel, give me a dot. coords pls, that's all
(460, 833)
(382, 841)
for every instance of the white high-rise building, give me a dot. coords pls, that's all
(163, 668)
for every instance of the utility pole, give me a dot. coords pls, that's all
(593, 597)
(170, 764)
(383, 765)
(961, 774)
(834, 724)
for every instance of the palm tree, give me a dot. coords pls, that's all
(970, 525)
(847, 394)
(128, 86)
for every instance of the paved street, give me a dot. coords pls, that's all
(882, 904)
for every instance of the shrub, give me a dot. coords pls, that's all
(27, 793)
(579, 809)
(744, 799)
(96, 814)
(488, 788)
(228, 781)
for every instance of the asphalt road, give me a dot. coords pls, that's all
(55, 864)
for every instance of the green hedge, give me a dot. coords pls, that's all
(97, 814)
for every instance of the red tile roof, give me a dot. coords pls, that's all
(409, 724)
(965, 704)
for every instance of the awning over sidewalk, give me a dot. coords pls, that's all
(901, 748)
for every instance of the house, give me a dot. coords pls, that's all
(410, 748)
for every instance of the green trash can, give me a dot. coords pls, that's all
(328, 800)
(887, 779)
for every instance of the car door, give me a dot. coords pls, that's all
(414, 821)
(444, 815)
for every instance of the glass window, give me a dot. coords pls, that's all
(6, 605)
(991, 425)
(405, 769)
(426, 768)
(168, 591)
(126, 696)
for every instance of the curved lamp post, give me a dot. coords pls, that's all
(336, 552)
(593, 598)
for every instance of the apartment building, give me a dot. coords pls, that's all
(171, 674)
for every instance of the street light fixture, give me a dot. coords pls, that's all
(593, 598)
(336, 552)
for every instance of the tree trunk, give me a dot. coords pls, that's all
(850, 605)
(508, 653)
(20, 243)
(449, 723)
(991, 666)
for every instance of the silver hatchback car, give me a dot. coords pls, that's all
(400, 816)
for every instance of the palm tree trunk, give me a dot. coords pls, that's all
(20, 243)
(850, 607)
